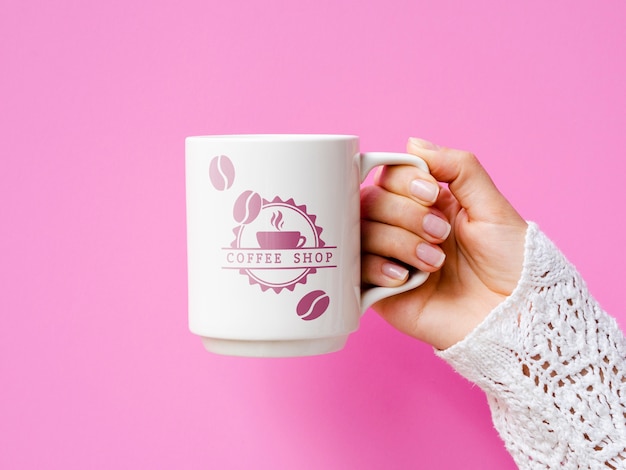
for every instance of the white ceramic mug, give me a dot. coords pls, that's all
(273, 231)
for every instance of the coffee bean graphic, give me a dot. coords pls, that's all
(247, 207)
(221, 172)
(313, 305)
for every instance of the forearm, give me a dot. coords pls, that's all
(553, 366)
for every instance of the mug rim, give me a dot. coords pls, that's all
(275, 137)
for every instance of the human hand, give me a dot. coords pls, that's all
(465, 233)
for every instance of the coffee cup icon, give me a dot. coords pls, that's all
(280, 240)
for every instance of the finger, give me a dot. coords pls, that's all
(380, 205)
(379, 271)
(467, 180)
(394, 242)
(409, 181)
(448, 205)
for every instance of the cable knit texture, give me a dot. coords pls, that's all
(553, 366)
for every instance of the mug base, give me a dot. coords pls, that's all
(281, 348)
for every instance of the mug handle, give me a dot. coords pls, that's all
(368, 161)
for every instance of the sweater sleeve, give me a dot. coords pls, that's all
(553, 367)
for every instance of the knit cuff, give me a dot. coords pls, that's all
(487, 355)
(551, 362)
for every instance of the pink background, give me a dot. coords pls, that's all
(97, 367)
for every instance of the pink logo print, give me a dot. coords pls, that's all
(221, 172)
(278, 247)
(277, 243)
(313, 305)
(247, 207)
(279, 239)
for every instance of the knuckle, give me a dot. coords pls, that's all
(467, 157)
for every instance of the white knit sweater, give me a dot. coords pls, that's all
(553, 366)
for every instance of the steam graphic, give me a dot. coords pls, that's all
(277, 220)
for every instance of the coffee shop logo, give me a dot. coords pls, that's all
(277, 242)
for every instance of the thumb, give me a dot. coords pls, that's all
(467, 180)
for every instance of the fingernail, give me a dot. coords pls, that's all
(430, 255)
(436, 226)
(424, 190)
(395, 272)
(423, 143)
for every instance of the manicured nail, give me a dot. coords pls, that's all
(436, 226)
(424, 190)
(423, 143)
(395, 272)
(430, 255)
